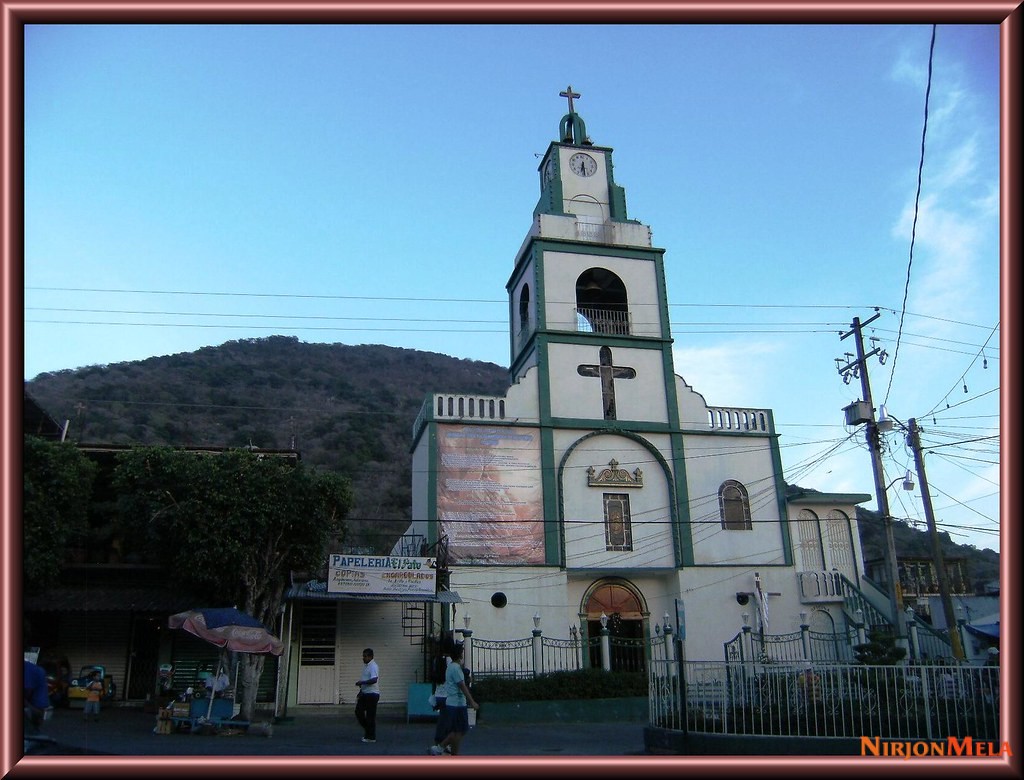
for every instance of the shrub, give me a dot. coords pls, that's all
(582, 684)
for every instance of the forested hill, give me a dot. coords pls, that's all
(345, 408)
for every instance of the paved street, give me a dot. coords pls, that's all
(130, 732)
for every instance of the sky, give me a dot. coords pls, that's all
(368, 184)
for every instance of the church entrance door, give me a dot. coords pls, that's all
(626, 618)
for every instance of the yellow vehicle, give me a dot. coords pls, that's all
(77, 690)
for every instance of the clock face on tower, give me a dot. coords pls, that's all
(582, 164)
(549, 170)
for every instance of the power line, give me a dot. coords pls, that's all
(963, 376)
(959, 443)
(501, 302)
(917, 207)
(678, 329)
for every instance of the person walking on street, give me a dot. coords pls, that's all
(442, 662)
(369, 695)
(457, 707)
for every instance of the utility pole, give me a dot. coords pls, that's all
(866, 414)
(914, 438)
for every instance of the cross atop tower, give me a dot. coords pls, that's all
(572, 130)
(570, 95)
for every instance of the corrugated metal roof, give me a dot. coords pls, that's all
(317, 591)
(169, 599)
(164, 598)
(988, 630)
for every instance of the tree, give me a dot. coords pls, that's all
(234, 525)
(880, 649)
(58, 484)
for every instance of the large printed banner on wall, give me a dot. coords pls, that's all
(489, 494)
(381, 574)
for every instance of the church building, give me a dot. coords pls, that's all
(601, 483)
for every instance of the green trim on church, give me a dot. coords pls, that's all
(780, 494)
(554, 542)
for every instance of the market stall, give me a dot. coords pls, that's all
(210, 704)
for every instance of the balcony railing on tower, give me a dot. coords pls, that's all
(592, 230)
(594, 320)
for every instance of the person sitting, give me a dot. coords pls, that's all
(218, 683)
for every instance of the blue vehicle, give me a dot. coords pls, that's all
(77, 690)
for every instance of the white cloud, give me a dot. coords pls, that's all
(725, 373)
(944, 109)
(949, 237)
(956, 167)
(909, 68)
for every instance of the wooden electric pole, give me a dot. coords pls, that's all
(914, 439)
(860, 368)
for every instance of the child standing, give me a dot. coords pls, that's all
(93, 692)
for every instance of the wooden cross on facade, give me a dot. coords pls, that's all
(608, 374)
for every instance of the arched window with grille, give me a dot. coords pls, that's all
(524, 309)
(734, 506)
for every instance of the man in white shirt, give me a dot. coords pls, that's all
(369, 695)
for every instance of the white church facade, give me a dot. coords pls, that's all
(601, 483)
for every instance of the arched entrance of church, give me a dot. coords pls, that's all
(624, 606)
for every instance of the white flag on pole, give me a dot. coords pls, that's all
(762, 603)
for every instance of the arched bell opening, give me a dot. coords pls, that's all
(601, 303)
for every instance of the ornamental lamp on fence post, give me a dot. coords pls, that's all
(805, 635)
(669, 644)
(862, 638)
(960, 630)
(746, 641)
(538, 646)
(467, 643)
(574, 639)
(915, 644)
(576, 635)
(606, 649)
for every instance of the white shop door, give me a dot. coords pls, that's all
(318, 671)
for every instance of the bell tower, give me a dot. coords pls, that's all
(587, 296)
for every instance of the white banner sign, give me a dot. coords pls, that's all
(381, 574)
